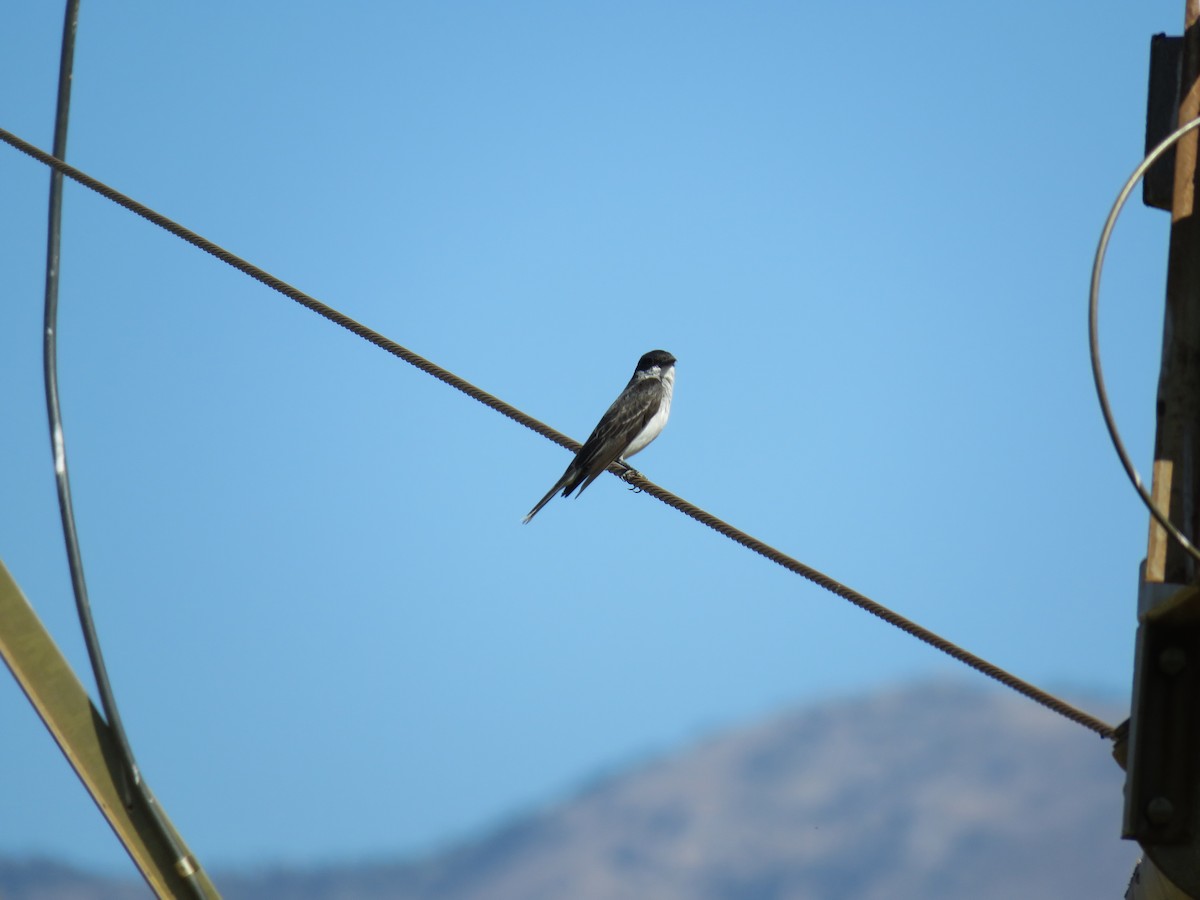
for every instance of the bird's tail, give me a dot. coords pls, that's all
(550, 493)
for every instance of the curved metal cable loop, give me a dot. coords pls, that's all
(128, 775)
(678, 503)
(1094, 337)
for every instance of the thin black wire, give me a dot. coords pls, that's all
(776, 556)
(1094, 337)
(128, 775)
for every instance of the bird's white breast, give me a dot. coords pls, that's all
(655, 426)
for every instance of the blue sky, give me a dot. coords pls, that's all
(866, 236)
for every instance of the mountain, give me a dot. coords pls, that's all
(933, 791)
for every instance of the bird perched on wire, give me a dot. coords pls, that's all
(636, 418)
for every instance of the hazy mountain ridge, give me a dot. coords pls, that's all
(932, 791)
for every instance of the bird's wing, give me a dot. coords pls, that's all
(624, 421)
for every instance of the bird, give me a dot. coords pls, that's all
(636, 418)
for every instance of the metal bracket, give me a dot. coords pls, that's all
(1162, 783)
(87, 742)
(1162, 109)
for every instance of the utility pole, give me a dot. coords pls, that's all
(1177, 440)
(1162, 791)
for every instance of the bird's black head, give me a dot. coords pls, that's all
(660, 358)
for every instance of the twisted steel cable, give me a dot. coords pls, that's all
(876, 609)
(721, 527)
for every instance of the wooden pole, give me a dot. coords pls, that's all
(1162, 789)
(1176, 482)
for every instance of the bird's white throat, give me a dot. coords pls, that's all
(655, 426)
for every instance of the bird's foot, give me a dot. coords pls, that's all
(629, 474)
